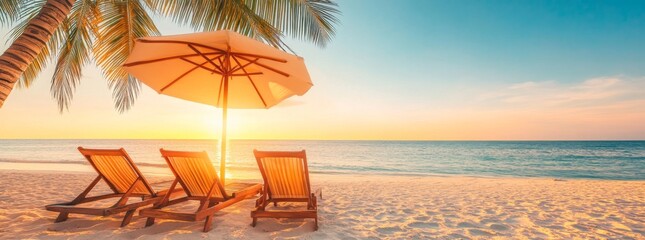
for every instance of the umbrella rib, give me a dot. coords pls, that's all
(183, 75)
(216, 66)
(178, 78)
(246, 74)
(211, 48)
(267, 67)
(250, 80)
(201, 66)
(239, 66)
(259, 56)
(163, 59)
(200, 53)
(181, 42)
(220, 62)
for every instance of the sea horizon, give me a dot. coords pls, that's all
(366, 140)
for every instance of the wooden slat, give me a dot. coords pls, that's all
(106, 152)
(195, 173)
(241, 195)
(176, 201)
(119, 171)
(289, 200)
(165, 191)
(184, 169)
(286, 179)
(289, 181)
(75, 209)
(165, 152)
(243, 189)
(132, 206)
(157, 213)
(87, 190)
(294, 154)
(201, 198)
(96, 198)
(284, 214)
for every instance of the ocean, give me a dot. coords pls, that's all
(618, 160)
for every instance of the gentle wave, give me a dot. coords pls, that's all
(624, 160)
(41, 161)
(154, 165)
(71, 162)
(146, 165)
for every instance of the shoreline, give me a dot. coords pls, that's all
(164, 171)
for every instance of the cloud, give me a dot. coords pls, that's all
(591, 93)
(597, 108)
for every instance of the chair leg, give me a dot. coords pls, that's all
(255, 221)
(150, 221)
(275, 204)
(62, 217)
(316, 223)
(208, 223)
(127, 218)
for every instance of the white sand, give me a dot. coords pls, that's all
(359, 207)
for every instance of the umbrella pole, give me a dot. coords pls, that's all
(222, 170)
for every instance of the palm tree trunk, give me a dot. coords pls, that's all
(24, 50)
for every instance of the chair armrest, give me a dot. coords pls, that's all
(319, 192)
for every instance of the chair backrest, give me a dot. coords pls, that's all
(285, 174)
(117, 169)
(195, 173)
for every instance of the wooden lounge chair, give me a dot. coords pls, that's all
(116, 168)
(196, 174)
(286, 179)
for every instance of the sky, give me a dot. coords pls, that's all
(405, 70)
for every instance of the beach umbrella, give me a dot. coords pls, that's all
(222, 69)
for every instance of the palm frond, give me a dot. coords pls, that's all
(27, 11)
(9, 11)
(108, 29)
(42, 59)
(80, 29)
(208, 15)
(121, 23)
(311, 20)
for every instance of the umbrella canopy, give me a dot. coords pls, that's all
(222, 69)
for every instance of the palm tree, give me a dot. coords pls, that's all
(74, 33)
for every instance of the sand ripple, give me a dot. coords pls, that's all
(362, 208)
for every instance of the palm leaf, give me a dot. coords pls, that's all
(80, 29)
(108, 29)
(27, 11)
(121, 23)
(311, 20)
(9, 11)
(42, 59)
(209, 15)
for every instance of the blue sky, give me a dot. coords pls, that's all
(505, 41)
(422, 70)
